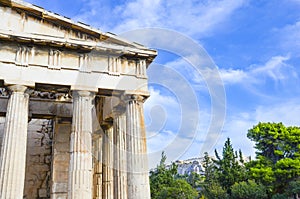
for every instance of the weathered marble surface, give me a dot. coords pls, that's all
(59, 66)
(13, 151)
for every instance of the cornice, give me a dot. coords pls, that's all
(104, 40)
(76, 44)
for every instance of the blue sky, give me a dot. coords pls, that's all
(255, 45)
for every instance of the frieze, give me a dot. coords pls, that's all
(63, 59)
(4, 92)
(49, 95)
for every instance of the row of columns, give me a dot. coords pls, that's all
(120, 170)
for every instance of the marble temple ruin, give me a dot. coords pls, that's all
(71, 107)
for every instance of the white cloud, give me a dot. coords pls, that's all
(191, 17)
(286, 112)
(174, 124)
(232, 76)
(275, 68)
(236, 128)
(238, 124)
(161, 111)
(290, 38)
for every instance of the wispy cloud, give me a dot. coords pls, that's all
(233, 76)
(275, 68)
(290, 38)
(173, 124)
(190, 17)
(287, 111)
(238, 124)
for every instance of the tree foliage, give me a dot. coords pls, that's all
(248, 190)
(223, 172)
(229, 167)
(274, 174)
(209, 170)
(164, 184)
(278, 155)
(179, 189)
(215, 191)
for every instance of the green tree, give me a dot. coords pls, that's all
(229, 168)
(292, 191)
(248, 190)
(160, 177)
(164, 184)
(215, 191)
(179, 189)
(194, 179)
(209, 170)
(294, 188)
(223, 172)
(278, 155)
(210, 186)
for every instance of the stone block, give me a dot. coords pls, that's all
(59, 188)
(38, 151)
(63, 137)
(59, 196)
(60, 176)
(34, 159)
(64, 157)
(61, 167)
(41, 167)
(48, 159)
(61, 147)
(32, 134)
(34, 142)
(42, 193)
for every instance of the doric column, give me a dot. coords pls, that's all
(80, 170)
(137, 161)
(120, 162)
(107, 183)
(97, 148)
(13, 153)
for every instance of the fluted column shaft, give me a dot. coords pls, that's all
(13, 152)
(97, 167)
(107, 183)
(80, 171)
(137, 161)
(120, 164)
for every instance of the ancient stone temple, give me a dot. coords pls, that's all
(71, 107)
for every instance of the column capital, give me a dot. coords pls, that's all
(135, 97)
(83, 93)
(17, 88)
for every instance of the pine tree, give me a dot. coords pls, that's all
(229, 168)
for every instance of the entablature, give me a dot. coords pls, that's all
(25, 22)
(27, 62)
(41, 47)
